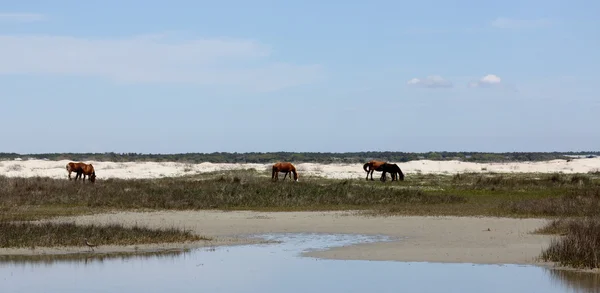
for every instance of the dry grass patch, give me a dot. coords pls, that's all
(580, 245)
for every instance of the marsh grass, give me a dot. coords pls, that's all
(572, 202)
(580, 245)
(217, 192)
(517, 195)
(27, 234)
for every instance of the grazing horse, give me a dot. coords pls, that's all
(285, 167)
(81, 169)
(394, 170)
(372, 166)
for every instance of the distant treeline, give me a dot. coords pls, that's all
(306, 157)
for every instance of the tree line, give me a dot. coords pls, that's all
(304, 157)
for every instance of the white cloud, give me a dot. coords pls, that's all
(510, 23)
(432, 81)
(21, 17)
(492, 81)
(486, 81)
(154, 59)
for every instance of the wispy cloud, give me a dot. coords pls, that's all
(21, 17)
(154, 59)
(511, 23)
(432, 81)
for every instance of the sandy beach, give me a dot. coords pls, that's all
(129, 170)
(431, 239)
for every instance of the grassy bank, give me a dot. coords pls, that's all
(30, 235)
(579, 247)
(513, 195)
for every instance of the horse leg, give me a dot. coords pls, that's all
(285, 174)
(70, 175)
(372, 174)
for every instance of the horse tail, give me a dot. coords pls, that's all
(365, 167)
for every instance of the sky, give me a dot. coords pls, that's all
(301, 76)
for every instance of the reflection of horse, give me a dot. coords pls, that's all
(393, 169)
(81, 169)
(372, 166)
(284, 167)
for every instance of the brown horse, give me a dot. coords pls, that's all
(285, 167)
(82, 169)
(372, 165)
(394, 170)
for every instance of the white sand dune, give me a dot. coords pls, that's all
(56, 169)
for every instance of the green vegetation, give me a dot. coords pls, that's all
(68, 234)
(512, 195)
(350, 157)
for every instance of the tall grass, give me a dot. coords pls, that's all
(580, 247)
(231, 192)
(68, 234)
(573, 202)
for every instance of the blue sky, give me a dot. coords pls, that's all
(202, 76)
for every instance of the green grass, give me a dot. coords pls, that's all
(514, 195)
(30, 235)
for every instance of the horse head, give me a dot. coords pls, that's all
(401, 175)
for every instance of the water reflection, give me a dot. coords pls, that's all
(88, 258)
(580, 282)
(279, 268)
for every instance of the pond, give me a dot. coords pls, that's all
(278, 267)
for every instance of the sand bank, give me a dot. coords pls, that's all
(432, 239)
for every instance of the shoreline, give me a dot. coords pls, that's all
(446, 239)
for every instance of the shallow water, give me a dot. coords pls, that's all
(278, 268)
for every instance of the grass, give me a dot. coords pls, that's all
(580, 246)
(48, 234)
(514, 195)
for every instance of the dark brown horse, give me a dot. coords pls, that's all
(394, 170)
(81, 169)
(285, 167)
(372, 165)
